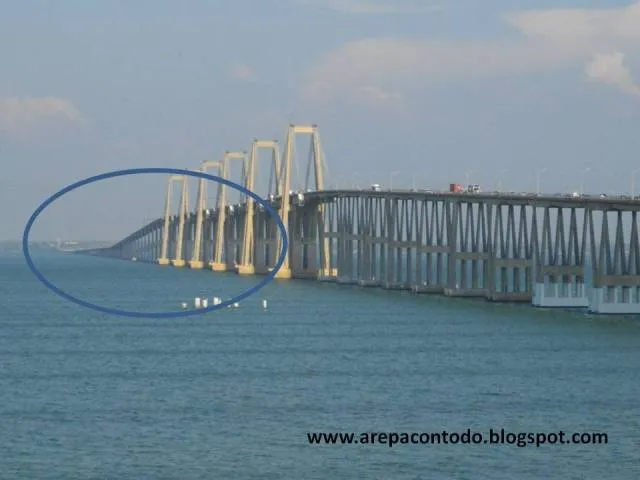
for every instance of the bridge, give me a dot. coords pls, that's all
(555, 251)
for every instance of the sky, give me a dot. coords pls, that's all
(409, 93)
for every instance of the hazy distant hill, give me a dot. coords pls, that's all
(16, 245)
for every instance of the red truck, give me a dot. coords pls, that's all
(455, 187)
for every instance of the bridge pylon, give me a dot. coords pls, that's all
(196, 261)
(164, 254)
(179, 261)
(285, 205)
(220, 255)
(247, 265)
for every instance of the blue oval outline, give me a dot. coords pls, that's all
(172, 171)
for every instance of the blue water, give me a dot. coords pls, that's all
(232, 394)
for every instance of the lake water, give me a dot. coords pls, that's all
(232, 394)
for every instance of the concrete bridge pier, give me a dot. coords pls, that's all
(431, 246)
(328, 239)
(469, 254)
(616, 265)
(559, 264)
(167, 242)
(266, 243)
(183, 218)
(395, 243)
(307, 243)
(511, 281)
(235, 241)
(224, 260)
(560, 286)
(510, 264)
(249, 246)
(431, 275)
(346, 243)
(366, 240)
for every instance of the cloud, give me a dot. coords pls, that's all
(586, 26)
(18, 115)
(549, 40)
(610, 68)
(240, 71)
(376, 97)
(371, 6)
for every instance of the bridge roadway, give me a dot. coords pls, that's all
(561, 251)
(559, 200)
(550, 250)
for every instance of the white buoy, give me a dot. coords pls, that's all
(236, 305)
(264, 304)
(205, 303)
(196, 302)
(216, 301)
(184, 305)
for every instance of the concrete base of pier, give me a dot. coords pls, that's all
(346, 281)
(163, 261)
(395, 286)
(329, 272)
(614, 300)
(218, 267)
(283, 274)
(465, 292)
(178, 263)
(509, 297)
(426, 288)
(551, 296)
(246, 270)
(328, 275)
(306, 275)
(196, 264)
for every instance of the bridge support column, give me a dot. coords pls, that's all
(392, 277)
(307, 242)
(469, 254)
(245, 246)
(560, 286)
(511, 258)
(432, 246)
(285, 272)
(164, 258)
(179, 261)
(345, 241)
(366, 247)
(327, 240)
(616, 267)
(559, 264)
(220, 262)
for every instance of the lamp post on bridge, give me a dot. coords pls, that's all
(540, 172)
(500, 174)
(391, 175)
(633, 182)
(582, 180)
